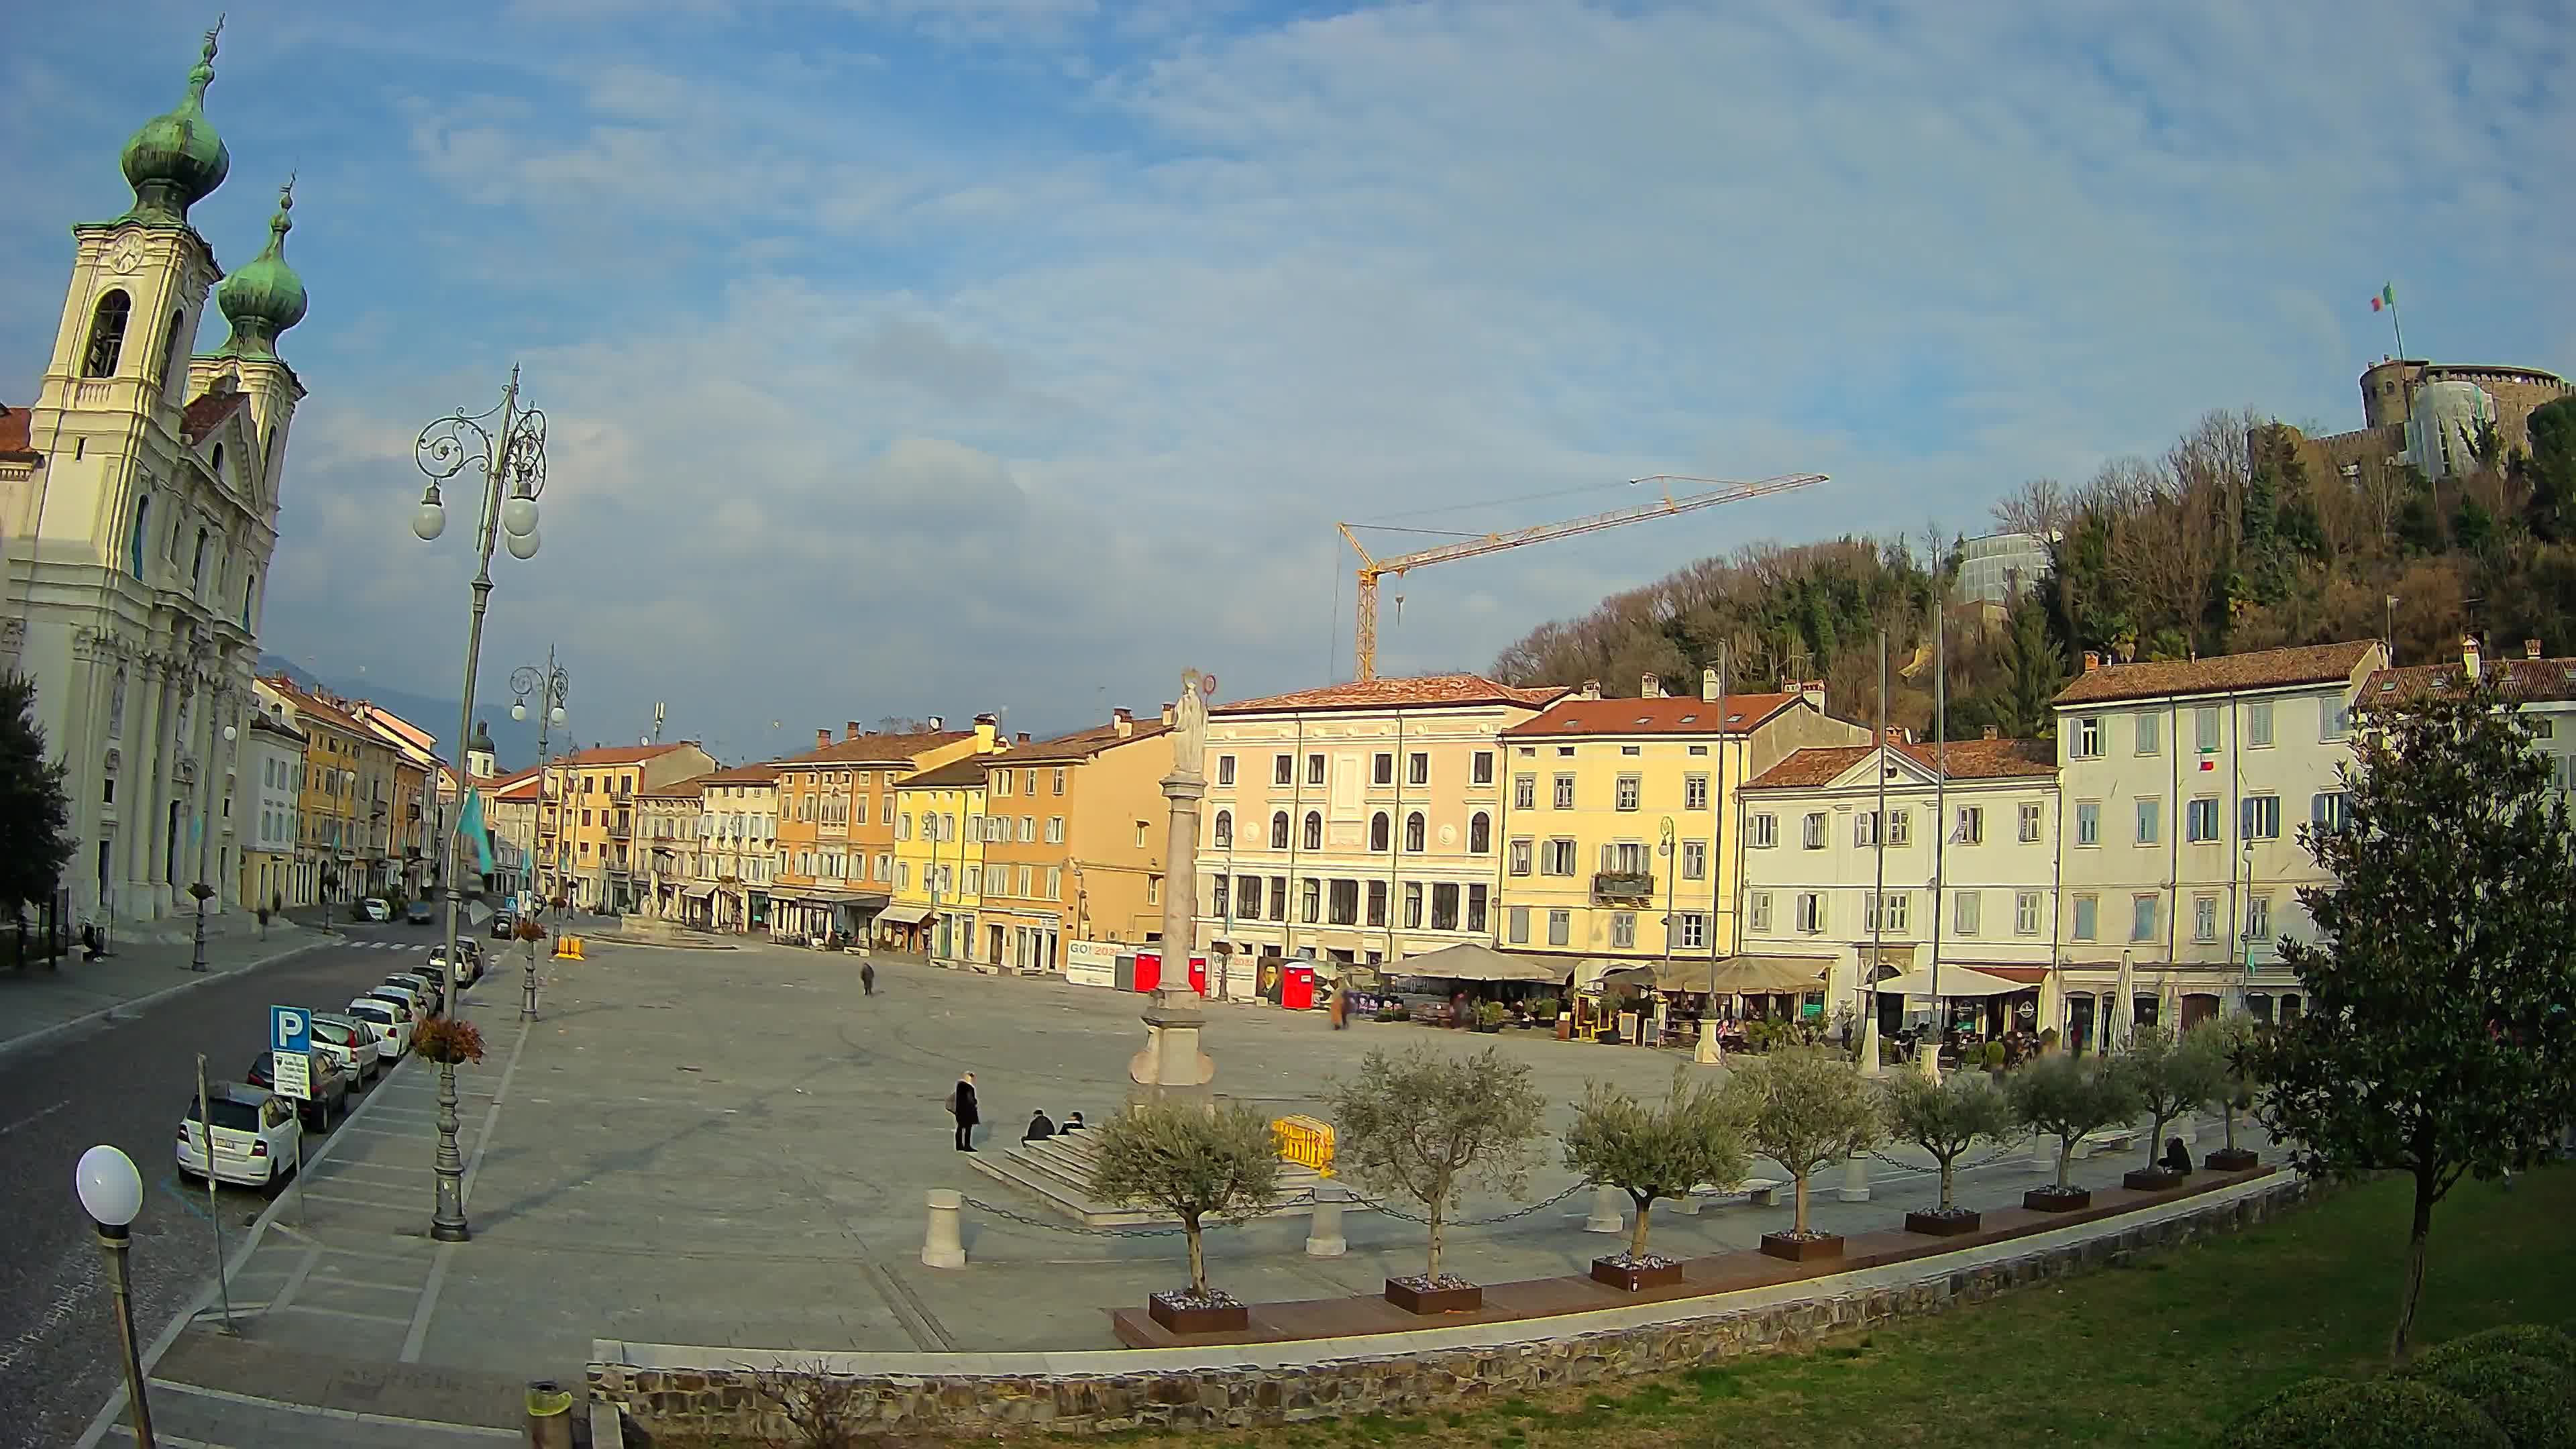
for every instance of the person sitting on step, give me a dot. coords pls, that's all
(2176, 1159)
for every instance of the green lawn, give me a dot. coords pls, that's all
(2162, 1352)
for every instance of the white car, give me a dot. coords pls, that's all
(390, 1021)
(376, 909)
(350, 1043)
(410, 995)
(432, 986)
(254, 1134)
(466, 969)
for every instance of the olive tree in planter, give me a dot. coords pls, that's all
(448, 1040)
(2172, 1074)
(2066, 1097)
(1426, 1125)
(1198, 1165)
(1945, 1118)
(2234, 1042)
(1652, 1151)
(1803, 1107)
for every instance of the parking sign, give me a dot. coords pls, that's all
(290, 1057)
(290, 1029)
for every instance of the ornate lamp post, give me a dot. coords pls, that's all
(510, 452)
(551, 687)
(111, 1192)
(201, 890)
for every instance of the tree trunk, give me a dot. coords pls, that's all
(1949, 1182)
(1637, 1235)
(2413, 1287)
(2227, 1121)
(1198, 1255)
(2065, 1162)
(1800, 1225)
(1439, 1210)
(2156, 1139)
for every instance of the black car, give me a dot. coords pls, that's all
(330, 1090)
(421, 913)
(504, 925)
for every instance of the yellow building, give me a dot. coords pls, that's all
(939, 852)
(1616, 810)
(586, 826)
(1074, 834)
(330, 835)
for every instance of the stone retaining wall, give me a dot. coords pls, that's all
(723, 1396)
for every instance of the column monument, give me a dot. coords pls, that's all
(1171, 1066)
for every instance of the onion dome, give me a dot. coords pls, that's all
(177, 159)
(263, 296)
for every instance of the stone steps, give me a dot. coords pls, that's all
(1057, 1172)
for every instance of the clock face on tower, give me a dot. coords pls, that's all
(126, 255)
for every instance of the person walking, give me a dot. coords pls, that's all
(868, 978)
(961, 1105)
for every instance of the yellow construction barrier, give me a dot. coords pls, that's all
(1305, 1141)
(576, 950)
(568, 948)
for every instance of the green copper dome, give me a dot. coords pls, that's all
(176, 160)
(263, 297)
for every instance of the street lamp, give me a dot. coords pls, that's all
(111, 1192)
(201, 891)
(549, 687)
(511, 455)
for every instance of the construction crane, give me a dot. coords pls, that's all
(1371, 569)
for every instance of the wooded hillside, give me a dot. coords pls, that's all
(2229, 541)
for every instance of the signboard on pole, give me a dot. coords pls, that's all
(1091, 963)
(290, 1052)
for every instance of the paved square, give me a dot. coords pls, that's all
(732, 1147)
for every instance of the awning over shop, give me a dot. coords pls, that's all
(1955, 981)
(698, 892)
(903, 915)
(1769, 975)
(1471, 962)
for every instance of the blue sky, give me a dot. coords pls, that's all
(900, 353)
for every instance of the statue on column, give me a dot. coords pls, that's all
(1189, 729)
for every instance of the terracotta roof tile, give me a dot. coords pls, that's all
(619, 754)
(1670, 715)
(2262, 669)
(2534, 679)
(739, 775)
(1969, 760)
(967, 774)
(1080, 745)
(691, 788)
(208, 412)
(16, 442)
(308, 703)
(1423, 691)
(878, 749)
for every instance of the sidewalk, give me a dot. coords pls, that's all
(39, 1003)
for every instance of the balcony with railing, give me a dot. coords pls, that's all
(1622, 886)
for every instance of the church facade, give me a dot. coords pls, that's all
(139, 492)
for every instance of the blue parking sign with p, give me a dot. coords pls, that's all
(290, 1029)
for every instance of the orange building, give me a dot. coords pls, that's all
(1074, 832)
(586, 826)
(836, 825)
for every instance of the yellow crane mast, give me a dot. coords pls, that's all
(1371, 568)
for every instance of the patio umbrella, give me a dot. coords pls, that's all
(2124, 1009)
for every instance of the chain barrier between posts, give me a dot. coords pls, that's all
(1079, 1230)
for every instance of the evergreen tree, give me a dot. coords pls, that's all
(35, 818)
(2438, 1040)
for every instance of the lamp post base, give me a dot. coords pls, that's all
(447, 1222)
(112, 1243)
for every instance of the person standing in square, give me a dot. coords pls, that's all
(961, 1105)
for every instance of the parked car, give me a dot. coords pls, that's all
(458, 970)
(253, 1131)
(390, 1020)
(375, 908)
(407, 994)
(505, 925)
(330, 1089)
(421, 913)
(350, 1043)
(432, 987)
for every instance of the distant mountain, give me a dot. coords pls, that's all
(514, 743)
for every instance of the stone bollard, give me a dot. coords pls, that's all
(1324, 1231)
(1606, 1217)
(1685, 1206)
(549, 1415)
(941, 1247)
(1855, 1186)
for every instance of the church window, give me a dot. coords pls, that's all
(107, 334)
(197, 569)
(134, 551)
(218, 468)
(174, 352)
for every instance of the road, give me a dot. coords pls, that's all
(126, 1084)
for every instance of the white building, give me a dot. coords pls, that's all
(2544, 688)
(272, 762)
(2186, 783)
(141, 499)
(1968, 856)
(1357, 822)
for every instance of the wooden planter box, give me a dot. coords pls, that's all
(1802, 1250)
(1629, 1279)
(1216, 1318)
(2050, 1200)
(2151, 1179)
(1942, 1225)
(2233, 1159)
(1434, 1300)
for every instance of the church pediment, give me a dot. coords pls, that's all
(220, 435)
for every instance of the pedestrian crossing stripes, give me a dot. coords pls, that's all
(391, 945)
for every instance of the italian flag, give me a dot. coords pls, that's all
(2387, 298)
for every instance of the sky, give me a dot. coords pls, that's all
(906, 358)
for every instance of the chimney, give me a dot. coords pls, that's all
(1992, 733)
(988, 729)
(2092, 660)
(1123, 722)
(1022, 737)
(2530, 648)
(850, 730)
(822, 738)
(938, 723)
(1813, 690)
(2469, 656)
(1896, 734)
(1650, 687)
(1708, 685)
(1591, 690)
(1167, 714)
